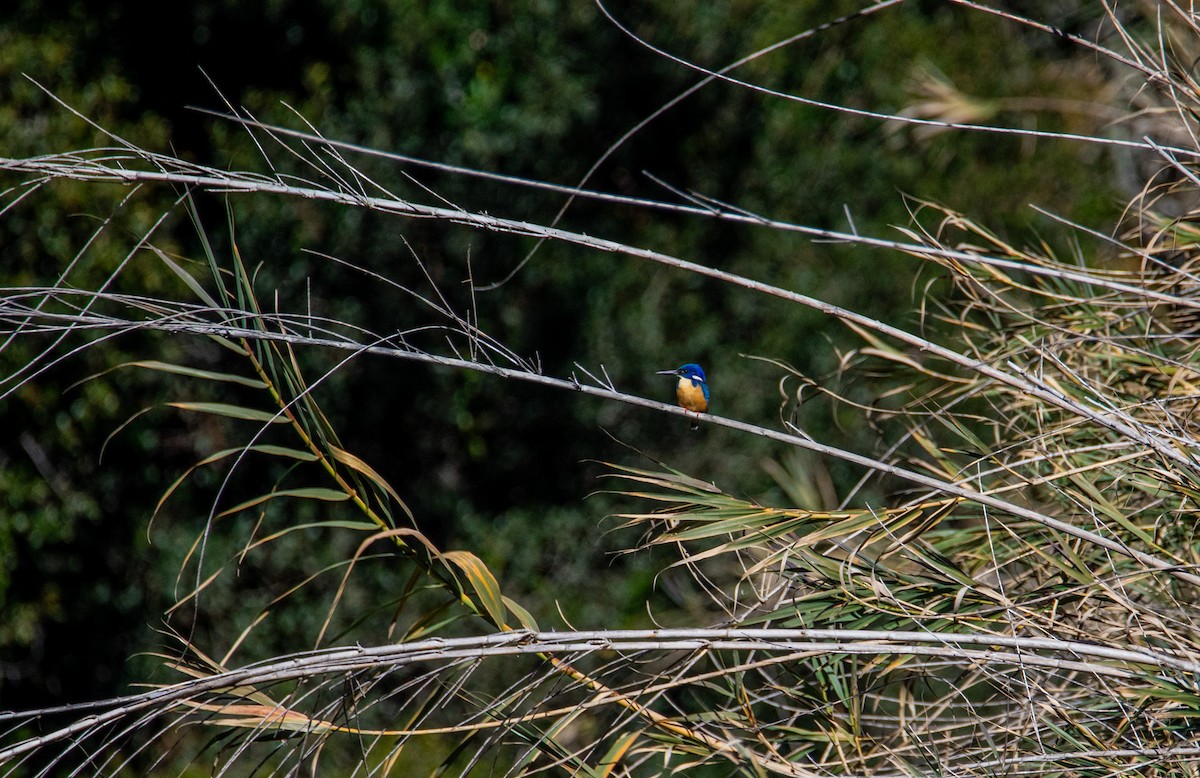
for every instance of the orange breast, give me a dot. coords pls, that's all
(691, 396)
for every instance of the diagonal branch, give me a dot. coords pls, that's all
(195, 326)
(82, 168)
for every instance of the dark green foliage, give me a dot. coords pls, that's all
(537, 90)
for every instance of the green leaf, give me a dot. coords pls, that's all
(284, 451)
(187, 278)
(209, 375)
(1097, 501)
(310, 493)
(231, 411)
(281, 451)
(525, 617)
(354, 463)
(487, 589)
(355, 526)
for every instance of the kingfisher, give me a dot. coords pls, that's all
(691, 391)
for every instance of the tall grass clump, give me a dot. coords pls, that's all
(1003, 585)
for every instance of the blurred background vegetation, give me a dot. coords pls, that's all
(538, 90)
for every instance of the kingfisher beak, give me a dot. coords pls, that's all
(666, 372)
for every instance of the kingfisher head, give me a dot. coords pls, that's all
(691, 371)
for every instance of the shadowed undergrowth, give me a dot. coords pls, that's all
(1004, 586)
